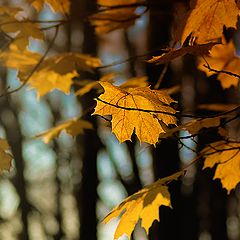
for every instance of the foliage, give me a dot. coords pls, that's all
(135, 107)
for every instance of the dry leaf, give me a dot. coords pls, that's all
(146, 124)
(206, 18)
(222, 57)
(73, 127)
(226, 157)
(171, 54)
(5, 157)
(142, 205)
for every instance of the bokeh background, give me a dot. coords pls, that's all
(64, 189)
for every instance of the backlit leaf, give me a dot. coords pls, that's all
(226, 157)
(116, 15)
(139, 118)
(206, 18)
(222, 57)
(23, 30)
(73, 127)
(54, 72)
(193, 126)
(142, 205)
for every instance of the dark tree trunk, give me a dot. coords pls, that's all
(89, 144)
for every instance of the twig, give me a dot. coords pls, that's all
(221, 71)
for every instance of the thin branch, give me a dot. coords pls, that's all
(220, 71)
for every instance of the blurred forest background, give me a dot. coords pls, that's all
(64, 189)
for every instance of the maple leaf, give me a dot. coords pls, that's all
(135, 82)
(23, 60)
(172, 53)
(193, 126)
(131, 110)
(142, 205)
(73, 127)
(226, 157)
(117, 14)
(88, 85)
(5, 157)
(206, 18)
(222, 57)
(23, 30)
(59, 6)
(54, 72)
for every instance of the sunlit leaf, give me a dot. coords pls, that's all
(116, 14)
(226, 157)
(72, 127)
(206, 18)
(142, 205)
(222, 57)
(141, 101)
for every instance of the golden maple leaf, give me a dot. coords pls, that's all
(54, 72)
(23, 60)
(5, 157)
(116, 15)
(88, 85)
(59, 6)
(142, 205)
(206, 18)
(23, 30)
(140, 109)
(222, 57)
(73, 127)
(193, 126)
(172, 53)
(226, 157)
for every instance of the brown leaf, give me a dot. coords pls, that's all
(172, 53)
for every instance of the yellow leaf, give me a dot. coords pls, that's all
(5, 157)
(135, 82)
(222, 57)
(226, 157)
(59, 6)
(141, 101)
(142, 205)
(18, 59)
(193, 127)
(73, 127)
(23, 30)
(206, 18)
(171, 54)
(88, 85)
(115, 16)
(54, 72)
